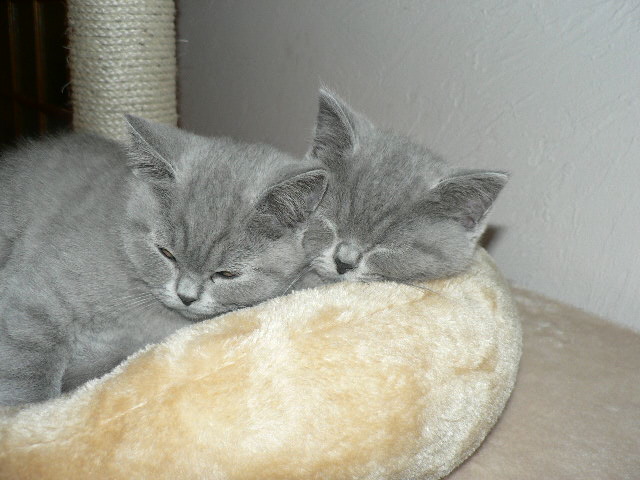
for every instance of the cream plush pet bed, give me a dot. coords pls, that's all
(378, 381)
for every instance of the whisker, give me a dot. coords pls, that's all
(233, 306)
(127, 298)
(302, 272)
(135, 306)
(142, 304)
(132, 300)
(141, 301)
(380, 278)
(136, 295)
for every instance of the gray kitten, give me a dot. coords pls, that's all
(97, 262)
(393, 209)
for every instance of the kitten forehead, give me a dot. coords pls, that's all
(230, 167)
(218, 184)
(395, 174)
(396, 159)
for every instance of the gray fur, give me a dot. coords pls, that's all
(394, 210)
(83, 283)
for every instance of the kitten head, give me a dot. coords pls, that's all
(393, 210)
(215, 224)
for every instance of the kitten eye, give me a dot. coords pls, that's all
(167, 253)
(225, 274)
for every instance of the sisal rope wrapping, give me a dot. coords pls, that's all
(122, 60)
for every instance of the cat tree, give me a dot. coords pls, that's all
(122, 60)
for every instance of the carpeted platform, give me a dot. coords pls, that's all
(575, 411)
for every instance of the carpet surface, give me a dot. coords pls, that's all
(575, 410)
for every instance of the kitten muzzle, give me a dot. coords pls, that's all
(346, 257)
(188, 289)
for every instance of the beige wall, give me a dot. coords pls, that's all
(547, 90)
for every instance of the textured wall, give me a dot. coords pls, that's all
(547, 90)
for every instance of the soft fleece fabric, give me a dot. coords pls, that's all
(352, 381)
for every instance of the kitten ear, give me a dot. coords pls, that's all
(467, 196)
(152, 146)
(294, 199)
(335, 131)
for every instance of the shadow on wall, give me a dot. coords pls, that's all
(491, 236)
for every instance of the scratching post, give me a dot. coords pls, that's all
(122, 60)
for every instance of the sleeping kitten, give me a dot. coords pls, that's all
(393, 209)
(99, 258)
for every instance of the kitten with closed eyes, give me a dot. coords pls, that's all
(105, 248)
(393, 210)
